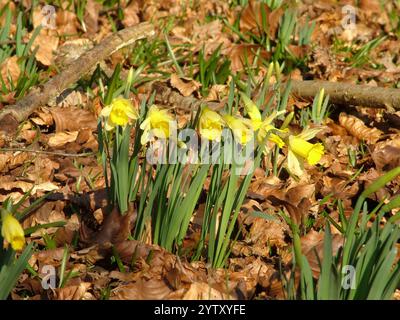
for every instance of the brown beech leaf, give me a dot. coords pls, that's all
(312, 244)
(241, 54)
(47, 43)
(386, 154)
(296, 194)
(51, 256)
(251, 18)
(116, 227)
(203, 291)
(91, 17)
(60, 139)
(73, 119)
(265, 234)
(9, 70)
(132, 248)
(43, 117)
(184, 85)
(74, 292)
(153, 289)
(131, 14)
(358, 129)
(66, 22)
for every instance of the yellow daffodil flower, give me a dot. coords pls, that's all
(158, 123)
(301, 150)
(242, 128)
(211, 125)
(253, 112)
(119, 112)
(264, 127)
(12, 231)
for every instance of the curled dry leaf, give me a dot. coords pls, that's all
(184, 85)
(358, 129)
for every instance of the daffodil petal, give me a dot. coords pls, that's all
(295, 164)
(251, 109)
(12, 231)
(308, 133)
(105, 112)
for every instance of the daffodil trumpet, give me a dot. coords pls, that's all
(300, 151)
(211, 125)
(159, 123)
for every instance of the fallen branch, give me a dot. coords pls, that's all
(12, 115)
(349, 94)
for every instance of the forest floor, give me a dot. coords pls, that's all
(203, 52)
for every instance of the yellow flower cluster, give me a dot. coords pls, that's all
(159, 124)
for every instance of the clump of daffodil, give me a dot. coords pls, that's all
(242, 128)
(119, 113)
(158, 123)
(301, 150)
(12, 231)
(211, 125)
(264, 127)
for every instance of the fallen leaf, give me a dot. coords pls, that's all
(47, 44)
(358, 129)
(185, 86)
(203, 291)
(131, 14)
(153, 289)
(77, 292)
(60, 139)
(73, 119)
(10, 71)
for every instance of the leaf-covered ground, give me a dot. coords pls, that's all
(92, 252)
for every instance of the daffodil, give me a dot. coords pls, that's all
(119, 112)
(12, 231)
(157, 123)
(264, 127)
(211, 125)
(301, 150)
(242, 128)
